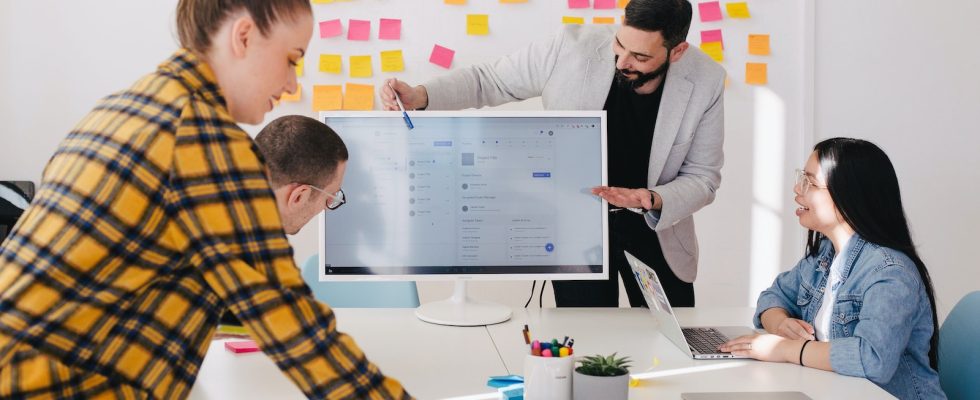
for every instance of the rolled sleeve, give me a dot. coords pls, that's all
(782, 294)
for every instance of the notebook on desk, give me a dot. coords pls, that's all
(699, 342)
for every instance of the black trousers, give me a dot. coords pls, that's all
(627, 231)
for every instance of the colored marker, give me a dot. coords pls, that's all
(563, 352)
(545, 353)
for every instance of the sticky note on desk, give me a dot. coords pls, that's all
(712, 35)
(442, 56)
(709, 11)
(578, 3)
(604, 4)
(737, 10)
(245, 346)
(359, 97)
(477, 24)
(359, 29)
(360, 67)
(392, 61)
(330, 63)
(391, 29)
(756, 73)
(327, 98)
(759, 45)
(330, 28)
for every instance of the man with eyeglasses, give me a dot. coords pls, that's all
(665, 106)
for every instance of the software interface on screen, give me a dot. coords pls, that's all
(474, 195)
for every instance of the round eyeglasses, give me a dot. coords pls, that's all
(804, 182)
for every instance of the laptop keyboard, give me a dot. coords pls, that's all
(704, 340)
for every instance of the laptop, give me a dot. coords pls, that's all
(700, 342)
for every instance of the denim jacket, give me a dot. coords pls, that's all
(881, 322)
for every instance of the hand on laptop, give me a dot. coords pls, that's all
(764, 347)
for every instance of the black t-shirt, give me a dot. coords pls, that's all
(630, 120)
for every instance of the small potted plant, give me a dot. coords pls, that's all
(601, 377)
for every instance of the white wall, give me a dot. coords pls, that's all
(903, 75)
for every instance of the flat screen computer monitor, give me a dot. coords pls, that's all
(468, 195)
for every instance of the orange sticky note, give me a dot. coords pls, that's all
(713, 50)
(360, 67)
(455, 2)
(330, 63)
(359, 97)
(299, 68)
(477, 24)
(737, 10)
(759, 45)
(292, 97)
(392, 61)
(756, 74)
(327, 98)
(603, 20)
(622, 3)
(573, 20)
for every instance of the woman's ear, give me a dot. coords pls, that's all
(241, 29)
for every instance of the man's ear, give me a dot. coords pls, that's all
(678, 52)
(241, 28)
(297, 195)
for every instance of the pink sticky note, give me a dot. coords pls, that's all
(710, 11)
(391, 29)
(331, 28)
(358, 29)
(578, 3)
(442, 56)
(246, 346)
(604, 4)
(713, 35)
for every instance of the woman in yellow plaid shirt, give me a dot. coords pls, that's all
(155, 215)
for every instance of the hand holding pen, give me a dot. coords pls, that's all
(412, 98)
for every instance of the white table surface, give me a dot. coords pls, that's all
(633, 333)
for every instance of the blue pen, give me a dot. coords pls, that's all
(408, 121)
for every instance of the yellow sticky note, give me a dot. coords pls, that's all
(327, 98)
(455, 2)
(330, 63)
(759, 45)
(622, 3)
(713, 50)
(322, 1)
(292, 97)
(392, 61)
(359, 97)
(738, 10)
(573, 20)
(299, 68)
(603, 20)
(477, 24)
(756, 74)
(360, 67)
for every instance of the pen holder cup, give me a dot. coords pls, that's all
(548, 378)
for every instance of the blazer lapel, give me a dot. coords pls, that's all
(673, 104)
(598, 78)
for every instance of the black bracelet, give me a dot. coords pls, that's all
(801, 351)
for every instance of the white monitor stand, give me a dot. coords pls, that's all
(461, 310)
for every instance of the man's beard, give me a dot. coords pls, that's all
(625, 81)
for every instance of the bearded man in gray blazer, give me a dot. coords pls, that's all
(665, 115)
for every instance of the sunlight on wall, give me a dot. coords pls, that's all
(767, 190)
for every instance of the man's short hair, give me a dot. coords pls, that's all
(300, 149)
(672, 18)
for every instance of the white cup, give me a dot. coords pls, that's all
(548, 378)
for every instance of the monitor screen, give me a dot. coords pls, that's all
(492, 195)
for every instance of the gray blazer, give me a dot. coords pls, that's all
(574, 71)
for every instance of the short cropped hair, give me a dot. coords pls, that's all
(672, 18)
(198, 20)
(300, 149)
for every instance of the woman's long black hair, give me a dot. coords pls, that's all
(864, 187)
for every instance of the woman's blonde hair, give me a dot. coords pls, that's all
(198, 20)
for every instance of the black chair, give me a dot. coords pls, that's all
(14, 198)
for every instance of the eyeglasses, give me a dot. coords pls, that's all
(804, 182)
(335, 200)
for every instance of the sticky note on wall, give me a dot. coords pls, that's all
(513, 1)
(709, 11)
(359, 97)
(292, 97)
(759, 45)
(477, 24)
(756, 73)
(455, 2)
(578, 3)
(573, 20)
(712, 35)
(327, 98)
(358, 29)
(604, 4)
(392, 61)
(331, 63)
(442, 56)
(390, 29)
(331, 28)
(603, 20)
(713, 50)
(299, 68)
(360, 67)
(622, 3)
(737, 10)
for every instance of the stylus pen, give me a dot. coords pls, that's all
(408, 121)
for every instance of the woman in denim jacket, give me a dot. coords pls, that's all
(861, 302)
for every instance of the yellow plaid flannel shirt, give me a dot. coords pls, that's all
(153, 217)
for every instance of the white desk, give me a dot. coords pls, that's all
(632, 332)
(435, 362)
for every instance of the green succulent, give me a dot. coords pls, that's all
(604, 366)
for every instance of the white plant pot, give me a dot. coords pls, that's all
(588, 387)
